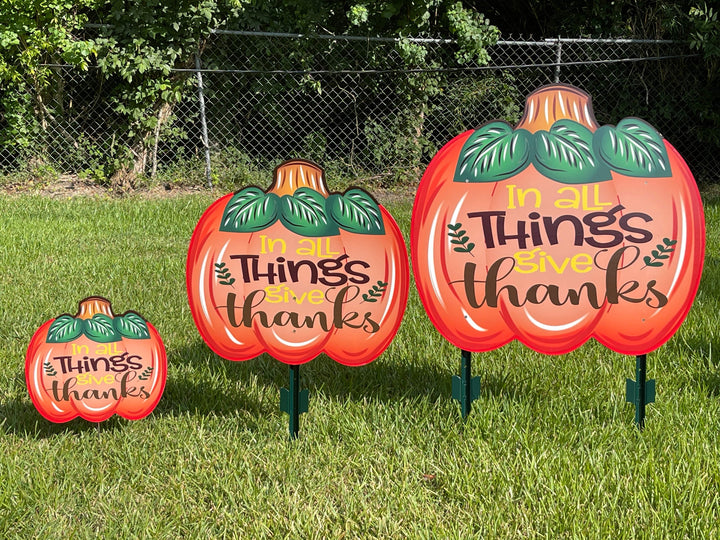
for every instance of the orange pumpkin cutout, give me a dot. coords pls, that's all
(95, 364)
(296, 270)
(558, 230)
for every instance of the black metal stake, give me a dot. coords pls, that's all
(640, 392)
(465, 388)
(294, 401)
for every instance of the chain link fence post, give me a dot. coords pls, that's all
(558, 59)
(203, 119)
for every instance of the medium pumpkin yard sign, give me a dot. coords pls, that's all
(95, 364)
(295, 271)
(557, 231)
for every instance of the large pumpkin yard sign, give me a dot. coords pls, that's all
(558, 230)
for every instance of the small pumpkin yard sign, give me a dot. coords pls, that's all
(296, 270)
(95, 364)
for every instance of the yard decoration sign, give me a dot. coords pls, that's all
(95, 364)
(295, 271)
(558, 230)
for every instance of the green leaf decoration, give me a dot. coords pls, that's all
(356, 211)
(223, 274)
(145, 375)
(100, 329)
(494, 152)
(64, 329)
(49, 369)
(565, 154)
(132, 326)
(661, 253)
(250, 210)
(304, 213)
(460, 239)
(633, 148)
(375, 292)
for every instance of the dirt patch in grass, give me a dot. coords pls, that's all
(69, 186)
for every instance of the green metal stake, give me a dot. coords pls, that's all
(294, 401)
(465, 388)
(640, 392)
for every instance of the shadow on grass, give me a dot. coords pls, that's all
(21, 418)
(202, 383)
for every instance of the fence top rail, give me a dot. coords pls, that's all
(611, 40)
(541, 43)
(547, 42)
(416, 70)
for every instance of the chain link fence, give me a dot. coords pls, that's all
(363, 106)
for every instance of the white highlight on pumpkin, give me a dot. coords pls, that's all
(221, 254)
(471, 322)
(231, 337)
(155, 376)
(531, 109)
(562, 102)
(391, 292)
(556, 327)
(683, 248)
(36, 379)
(203, 277)
(456, 212)
(431, 258)
(98, 409)
(295, 343)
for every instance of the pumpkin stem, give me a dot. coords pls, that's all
(556, 102)
(93, 305)
(297, 173)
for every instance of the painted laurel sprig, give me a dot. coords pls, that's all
(145, 375)
(223, 274)
(660, 254)
(49, 369)
(375, 292)
(460, 239)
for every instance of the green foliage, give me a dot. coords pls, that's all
(705, 36)
(140, 48)
(33, 34)
(474, 33)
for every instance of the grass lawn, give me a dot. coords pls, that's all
(550, 449)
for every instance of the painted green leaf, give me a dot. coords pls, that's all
(101, 329)
(633, 148)
(356, 211)
(304, 213)
(494, 152)
(132, 326)
(565, 154)
(250, 210)
(64, 329)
